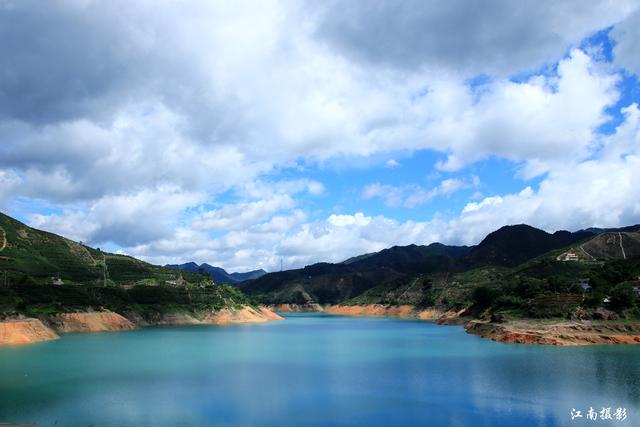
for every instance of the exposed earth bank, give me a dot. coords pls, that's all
(96, 321)
(296, 308)
(565, 334)
(373, 310)
(31, 330)
(520, 332)
(25, 331)
(378, 310)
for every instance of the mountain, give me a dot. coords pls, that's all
(607, 245)
(596, 230)
(447, 275)
(43, 275)
(406, 257)
(217, 274)
(249, 275)
(514, 244)
(31, 255)
(327, 283)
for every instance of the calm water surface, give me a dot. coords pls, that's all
(312, 370)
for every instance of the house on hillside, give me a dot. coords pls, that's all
(567, 256)
(57, 281)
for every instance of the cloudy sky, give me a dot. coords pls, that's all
(241, 133)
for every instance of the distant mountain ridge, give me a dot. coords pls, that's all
(217, 274)
(514, 244)
(408, 271)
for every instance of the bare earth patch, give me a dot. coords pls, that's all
(563, 333)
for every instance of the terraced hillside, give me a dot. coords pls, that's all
(35, 256)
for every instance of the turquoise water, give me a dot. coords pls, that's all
(312, 370)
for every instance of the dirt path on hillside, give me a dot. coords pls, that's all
(587, 253)
(3, 242)
(624, 256)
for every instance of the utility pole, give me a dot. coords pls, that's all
(280, 263)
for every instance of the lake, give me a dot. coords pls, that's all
(313, 370)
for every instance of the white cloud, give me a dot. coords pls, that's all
(496, 37)
(543, 122)
(410, 196)
(128, 123)
(268, 97)
(126, 220)
(596, 192)
(242, 215)
(347, 220)
(626, 35)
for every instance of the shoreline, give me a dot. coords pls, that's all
(29, 330)
(369, 310)
(562, 333)
(522, 331)
(24, 330)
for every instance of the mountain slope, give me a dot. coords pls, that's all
(607, 246)
(28, 254)
(249, 275)
(420, 275)
(327, 283)
(514, 244)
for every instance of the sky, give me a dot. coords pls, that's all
(247, 133)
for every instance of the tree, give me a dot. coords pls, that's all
(482, 297)
(622, 297)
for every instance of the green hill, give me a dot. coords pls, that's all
(516, 269)
(29, 258)
(514, 244)
(28, 254)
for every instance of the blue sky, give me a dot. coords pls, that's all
(246, 133)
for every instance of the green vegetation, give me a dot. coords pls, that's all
(547, 288)
(30, 259)
(35, 256)
(515, 272)
(34, 300)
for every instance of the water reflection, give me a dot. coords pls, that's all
(311, 370)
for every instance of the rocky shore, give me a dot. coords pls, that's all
(31, 330)
(564, 333)
(25, 331)
(296, 308)
(378, 310)
(372, 310)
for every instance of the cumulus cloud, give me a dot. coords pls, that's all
(626, 36)
(410, 196)
(125, 220)
(544, 121)
(241, 215)
(392, 163)
(595, 192)
(97, 99)
(132, 120)
(494, 37)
